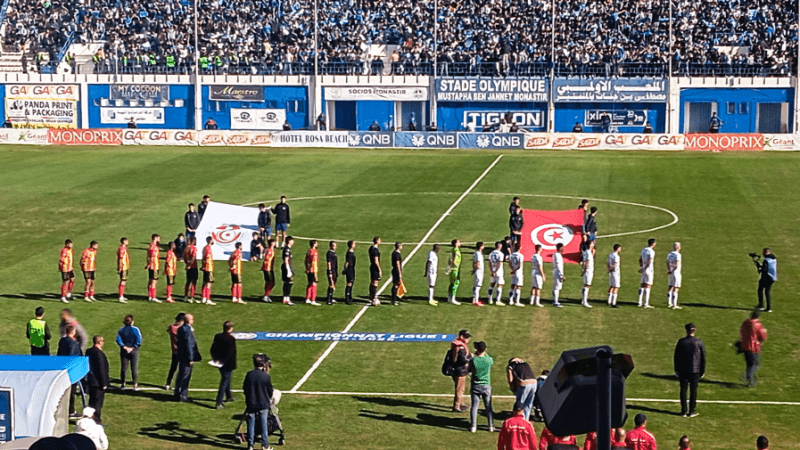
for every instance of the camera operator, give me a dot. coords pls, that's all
(257, 395)
(769, 275)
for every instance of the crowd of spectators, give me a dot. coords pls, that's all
(486, 37)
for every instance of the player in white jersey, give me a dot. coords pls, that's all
(587, 271)
(496, 280)
(516, 262)
(613, 265)
(477, 274)
(537, 277)
(646, 269)
(674, 274)
(431, 269)
(558, 274)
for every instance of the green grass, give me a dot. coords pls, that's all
(728, 205)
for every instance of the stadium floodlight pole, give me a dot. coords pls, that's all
(551, 107)
(317, 91)
(432, 85)
(669, 73)
(198, 103)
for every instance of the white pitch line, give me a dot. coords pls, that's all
(388, 282)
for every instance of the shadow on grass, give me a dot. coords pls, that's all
(399, 402)
(451, 423)
(725, 384)
(654, 410)
(706, 305)
(163, 396)
(172, 432)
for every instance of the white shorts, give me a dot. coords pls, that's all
(647, 277)
(477, 278)
(497, 279)
(536, 281)
(613, 280)
(675, 280)
(587, 278)
(517, 278)
(557, 284)
(431, 279)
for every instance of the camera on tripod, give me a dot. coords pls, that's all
(755, 256)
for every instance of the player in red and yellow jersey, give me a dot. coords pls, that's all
(152, 268)
(67, 274)
(235, 267)
(312, 261)
(123, 265)
(170, 270)
(88, 267)
(208, 271)
(190, 258)
(268, 267)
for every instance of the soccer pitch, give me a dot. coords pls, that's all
(727, 205)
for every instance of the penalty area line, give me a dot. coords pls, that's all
(419, 245)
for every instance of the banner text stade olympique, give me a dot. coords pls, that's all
(488, 90)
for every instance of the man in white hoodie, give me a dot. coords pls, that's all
(89, 427)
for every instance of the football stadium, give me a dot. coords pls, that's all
(351, 224)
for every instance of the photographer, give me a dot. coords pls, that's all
(769, 275)
(257, 395)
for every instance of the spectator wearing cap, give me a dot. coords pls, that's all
(762, 443)
(459, 361)
(690, 366)
(751, 335)
(522, 383)
(517, 432)
(684, 443)
(480, 367)
(258, 393)
(546, 439)
(88, 426)
(640, 438)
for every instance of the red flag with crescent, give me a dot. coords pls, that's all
(548, 228)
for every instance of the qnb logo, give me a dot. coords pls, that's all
(244, 336)
(550, 234)
(227, 234)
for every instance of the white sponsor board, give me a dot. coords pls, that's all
(257, 119)
(227, 225)
(236, 138)
(782, 142)
(592, 141)
(322, 139)
(160, 137)
(42, 105)
(398, 93)
(15, 136)
(147, 116)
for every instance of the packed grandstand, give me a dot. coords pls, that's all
(472, 38)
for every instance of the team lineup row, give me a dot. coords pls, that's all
(497, 260)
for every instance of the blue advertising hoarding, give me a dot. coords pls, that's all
(610, 90)
(370, 139)
(425, 139)
(529, 90)
(491, 140)
(6, 415)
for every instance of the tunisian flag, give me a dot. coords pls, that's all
(548, 228)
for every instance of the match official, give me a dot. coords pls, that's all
(349, 271)
(690, 366)
(332, 264)
(515, 224)
(287, 272)
(374, 270)
(397, 272)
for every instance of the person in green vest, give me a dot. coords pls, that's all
(204, 63)
(152, 59)
(170, 62)
(454, 270)
(217, 64)
(480, 367)
(38, 333)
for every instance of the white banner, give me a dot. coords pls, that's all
(42, 105)
(400, 93)
(236, 138)
(321, 139)
(227, 225)
(257, 119)
(593, 141)
(139, 115)
(160, 137)
(782, 142)
(36, 136)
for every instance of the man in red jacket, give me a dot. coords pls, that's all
(639, 438)
(546, 439)
(752, 334)
(517, 433)
(591, 439)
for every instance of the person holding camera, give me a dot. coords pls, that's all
(768, 269)
(258, 392)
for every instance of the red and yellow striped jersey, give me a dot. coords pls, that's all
(88, 260)
(123, 259)
(235, 262)
(65, 261)
(269, 260)
(311, 260)
(208, 259)
(171, 264)
(190, 257)
(152, 257)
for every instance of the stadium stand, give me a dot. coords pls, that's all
(475, 38)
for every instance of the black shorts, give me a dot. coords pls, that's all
(88, 275)
(236, 278)
(66, 276)
(350, 276)
(311, 277)
(123, 275)
(152, 275)
(208, 277)
(170, 280)
(396, 278)
(285, 275)
(374, 274)
(333, 276)
(269, 277)
(191, 275)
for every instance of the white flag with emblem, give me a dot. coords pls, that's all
(226, 225)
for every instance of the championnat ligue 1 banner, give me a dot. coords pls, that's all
(227, 224)
(549, 228)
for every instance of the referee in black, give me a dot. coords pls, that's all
(333, 270)
(690, 366)
(374, 270)
(287, 273)
(349, 271)
(397, 272)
